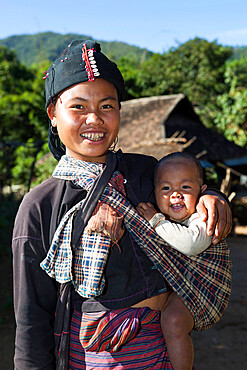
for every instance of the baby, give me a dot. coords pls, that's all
(178, 184)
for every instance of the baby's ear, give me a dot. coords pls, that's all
(203, 188)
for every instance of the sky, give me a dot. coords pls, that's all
(153, 24)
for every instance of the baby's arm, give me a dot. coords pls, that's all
(190, 239)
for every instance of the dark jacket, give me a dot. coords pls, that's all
(130, 276)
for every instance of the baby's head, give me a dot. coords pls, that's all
(178, 183)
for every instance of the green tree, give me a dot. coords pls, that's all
(33, 148)
(237, 70)
(195, 68)
(22, 114)
(231, 118)
(33, 164)
(130, 68)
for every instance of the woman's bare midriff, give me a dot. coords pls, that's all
(155, 303)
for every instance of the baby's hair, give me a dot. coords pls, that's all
(178, 155)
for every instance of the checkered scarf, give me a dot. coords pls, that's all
(85, 268)
(203, 282)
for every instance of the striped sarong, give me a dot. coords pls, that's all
(133, 339)
(203, 282)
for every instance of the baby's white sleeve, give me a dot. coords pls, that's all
(190, 238)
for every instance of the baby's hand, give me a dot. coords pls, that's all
(146, 210)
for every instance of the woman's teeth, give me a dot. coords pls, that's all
(93, 136)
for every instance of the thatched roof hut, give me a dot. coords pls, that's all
(162, 124)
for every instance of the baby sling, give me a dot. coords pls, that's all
(202, 282)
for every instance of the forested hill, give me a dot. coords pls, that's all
(32, 49)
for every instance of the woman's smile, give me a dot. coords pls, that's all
(93, 136)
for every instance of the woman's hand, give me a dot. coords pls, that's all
(214, 209)
(146, 210)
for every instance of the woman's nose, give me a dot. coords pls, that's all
(93, 119)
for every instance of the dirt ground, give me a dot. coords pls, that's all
(223, 347)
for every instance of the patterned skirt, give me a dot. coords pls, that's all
(119, 339)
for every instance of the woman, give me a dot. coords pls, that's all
(110, 310)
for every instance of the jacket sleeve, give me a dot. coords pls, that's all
(34, 293)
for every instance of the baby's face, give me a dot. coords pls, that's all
(177, 188)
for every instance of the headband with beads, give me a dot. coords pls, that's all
(90, 63)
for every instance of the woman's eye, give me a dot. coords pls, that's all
(106, 106)
(77, 106)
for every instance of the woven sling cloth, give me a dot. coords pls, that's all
(203, 282)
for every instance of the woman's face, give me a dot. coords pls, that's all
(87, 117)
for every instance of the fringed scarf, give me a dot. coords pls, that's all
(85, 269)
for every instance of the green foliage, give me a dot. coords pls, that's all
(44, 166)
(231, 118)
(195, 68)
(26, 156)
(130, 69)
(239, 52)
(13, 75)
(22, 114)
(237, 70)
(34, 164)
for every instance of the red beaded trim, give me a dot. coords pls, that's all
(91, 67)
